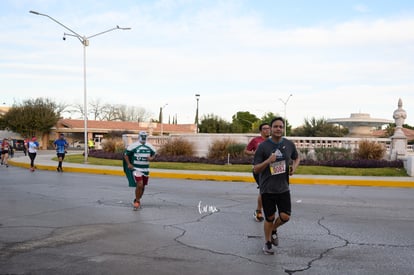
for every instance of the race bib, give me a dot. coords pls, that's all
(278, 167)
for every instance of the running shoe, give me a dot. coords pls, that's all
(258, 216)
(267, 249)
(275, 238)
(136, 204)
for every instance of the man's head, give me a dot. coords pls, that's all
(264, 129)
(142, 137)
(61, 136)
(277, 126)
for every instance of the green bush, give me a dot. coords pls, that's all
(236, 150)
(369, 150)
(177, 147)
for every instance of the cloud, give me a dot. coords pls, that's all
(361, 8)
(234, 58)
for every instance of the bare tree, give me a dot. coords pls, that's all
(75, 110)
(61, 108)
(110, 112)
(133, 113)
(96, 108)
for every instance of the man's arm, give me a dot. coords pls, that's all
(295, 165)
(153, 154)
(258, 168)
(129, 164)
(247, 152)
(249, 149)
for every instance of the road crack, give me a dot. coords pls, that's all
(323, 253)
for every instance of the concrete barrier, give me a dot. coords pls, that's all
(409, 165)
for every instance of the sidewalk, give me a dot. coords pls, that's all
(44, 162)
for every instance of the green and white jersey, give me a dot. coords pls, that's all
(138, 155)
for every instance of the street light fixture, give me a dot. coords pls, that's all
(85, 42)
(285, 103)
(162, 117)
(196, 117)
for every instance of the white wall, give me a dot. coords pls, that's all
(409, 165)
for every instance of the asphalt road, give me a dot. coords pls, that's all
(76, 223)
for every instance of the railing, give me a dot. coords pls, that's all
(203, 141)
(335, 142)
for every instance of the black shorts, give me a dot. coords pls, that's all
(272, 202)
(61, 155)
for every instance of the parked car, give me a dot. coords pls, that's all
(79, 144)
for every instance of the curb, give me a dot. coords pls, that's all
(354, 182)
(392, 182)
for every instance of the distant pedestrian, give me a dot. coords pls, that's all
(136, 165)
(273, 160)
(32, 147)
(251, 148)
(25, 145)
(12, 147)
(60, 145)
(5, 147)
(91, 144)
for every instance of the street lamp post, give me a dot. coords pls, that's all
(161, 118)
(285, 103)
(85, 42)
(196, 117)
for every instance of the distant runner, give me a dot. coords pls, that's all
(136, 165)
(60, 145)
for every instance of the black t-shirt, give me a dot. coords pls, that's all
(275, 177)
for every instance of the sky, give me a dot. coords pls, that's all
(334, 57)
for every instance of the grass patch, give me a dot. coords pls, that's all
(302, 170)
(345, 171)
